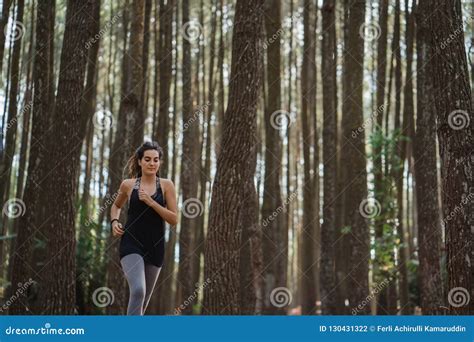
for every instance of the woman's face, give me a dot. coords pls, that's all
(150, 162)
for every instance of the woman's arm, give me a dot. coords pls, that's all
(170, 213)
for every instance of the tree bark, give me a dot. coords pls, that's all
(235, 170)
(401, 130)
(165, 61)
(354, 160)
(4, 21)
(124, 141)
(58, 293)
(273, 231)
(189, 174)
(308, 261)
(379, 189)
(328, 229)
(164, 294)
(429, 229)
(455, 128)
(38, 167)
(12, 124)
(136, 96)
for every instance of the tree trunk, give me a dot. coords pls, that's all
(25, 136)
(136, 96)
(429, 230)
(38, 166)
(455, 127)
(308, 261)
(85, 241)
(164, 294)
(401, 131)
(3, 23)
(272, 202)
(145, 58)
(123, 145)
(354, 161)
(190, 162)
(379, 189)
(328, 229)
(235, 170)
(12, 124)
(165, 61)
(251, 257)
(58, 293)
(342, 237)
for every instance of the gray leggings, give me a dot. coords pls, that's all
(141, 278)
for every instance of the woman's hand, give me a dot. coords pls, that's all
(117, 229)
(144, 197)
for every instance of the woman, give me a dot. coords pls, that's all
(151, 202)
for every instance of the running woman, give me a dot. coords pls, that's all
(152, 201)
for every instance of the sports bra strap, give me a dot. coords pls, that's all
(137, 183)
(158, 185)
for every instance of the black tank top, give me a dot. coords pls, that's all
(145, 228)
